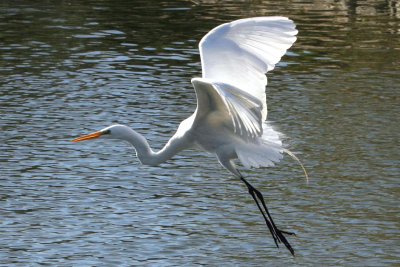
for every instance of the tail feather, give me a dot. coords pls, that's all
(263, 151)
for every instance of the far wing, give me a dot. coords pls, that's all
(239, 53)
(223, 104)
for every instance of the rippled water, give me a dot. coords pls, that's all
(71, 67)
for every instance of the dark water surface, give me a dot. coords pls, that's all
(71, 67)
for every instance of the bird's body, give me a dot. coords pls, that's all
(230, 118)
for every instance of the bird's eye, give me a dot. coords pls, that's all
(107, 131)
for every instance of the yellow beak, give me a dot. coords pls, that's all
(88, 136)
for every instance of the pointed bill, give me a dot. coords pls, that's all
(88, 136)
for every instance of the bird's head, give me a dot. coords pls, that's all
(116, 131)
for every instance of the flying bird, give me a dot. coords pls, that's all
(230, 118)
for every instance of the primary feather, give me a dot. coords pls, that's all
(235, 57)
(241, 52)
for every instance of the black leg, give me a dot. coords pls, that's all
(275, 232)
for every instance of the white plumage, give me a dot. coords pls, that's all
(235, 58)
(230, 118)
(241, 52)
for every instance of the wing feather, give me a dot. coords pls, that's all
(231, 94)
(239, 53)
(240, 109)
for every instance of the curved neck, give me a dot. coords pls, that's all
(144, 152)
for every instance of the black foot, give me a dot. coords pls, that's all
(278, 235)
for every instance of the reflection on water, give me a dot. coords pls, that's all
(72, 67)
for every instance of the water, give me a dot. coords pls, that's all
(68, 68)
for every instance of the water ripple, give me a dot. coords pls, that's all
(71, 68)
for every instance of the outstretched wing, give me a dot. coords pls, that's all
(239, 54)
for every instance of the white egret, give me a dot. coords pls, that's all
(230, 118)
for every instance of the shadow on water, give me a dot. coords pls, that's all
(71, 67)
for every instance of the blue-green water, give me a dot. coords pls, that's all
(71, 67)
